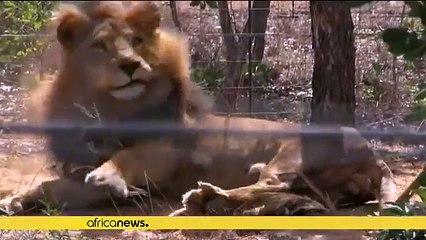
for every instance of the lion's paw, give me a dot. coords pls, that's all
(110, 180)
(11, 206)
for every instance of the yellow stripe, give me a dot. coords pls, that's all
(238, 222)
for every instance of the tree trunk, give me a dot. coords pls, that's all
(234, 56)
(260, 13)
(333, 80)
(175, 15)
(238, 47)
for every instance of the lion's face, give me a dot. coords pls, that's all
(118, 67)
(111, 47)
(111, 54)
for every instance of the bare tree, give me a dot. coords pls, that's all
(333, 80)
(238, 44)
(175, 15)
(260, 11)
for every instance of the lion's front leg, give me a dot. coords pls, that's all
(136, 166)
(63, 193)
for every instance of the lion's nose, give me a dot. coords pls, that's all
(129, 67)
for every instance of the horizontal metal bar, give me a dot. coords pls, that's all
(357, 32)
(137, 129)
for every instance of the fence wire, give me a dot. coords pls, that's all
(285, 91)
(171, 129)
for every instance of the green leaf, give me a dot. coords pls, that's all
(402, 42)
(416, 52)
(421, 95)
(421, 85)
(417, 114)
(393, 209)
(396, 36)
(421, 192)
(422, 179)
(9, 4)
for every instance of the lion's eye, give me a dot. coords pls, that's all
(100, 45)
(136, 41)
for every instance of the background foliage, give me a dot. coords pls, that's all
(17, 20)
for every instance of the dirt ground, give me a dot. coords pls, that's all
(21, 171)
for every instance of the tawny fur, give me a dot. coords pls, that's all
(166, 52)
(92, 78)
(81, 92)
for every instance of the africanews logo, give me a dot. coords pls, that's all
(107, 223)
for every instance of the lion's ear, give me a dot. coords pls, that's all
(71, 25)
(145, 16)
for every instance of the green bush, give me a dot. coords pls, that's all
(19, 19)
(412, 46)
(406, 209)
(207, 77)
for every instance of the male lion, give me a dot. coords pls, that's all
(118, 61)
(114, 54)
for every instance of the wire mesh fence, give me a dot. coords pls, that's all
(274, 81)
(275, 86)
